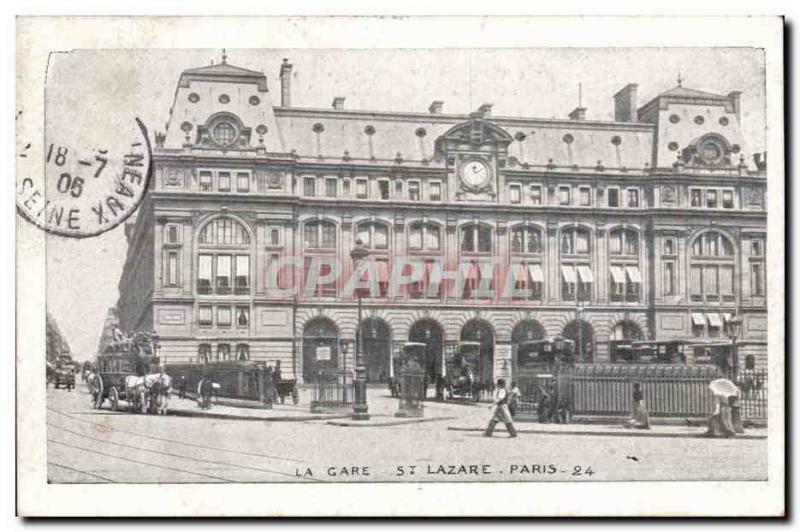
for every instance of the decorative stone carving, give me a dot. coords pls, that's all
(668, 194)
(173, 176)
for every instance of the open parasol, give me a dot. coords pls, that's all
(724, 388)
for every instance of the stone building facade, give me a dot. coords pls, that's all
(652, 226)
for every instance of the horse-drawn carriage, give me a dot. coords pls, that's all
(535, 369)
(461, 379)
(128, 371)
(283, 388)
(61, 372)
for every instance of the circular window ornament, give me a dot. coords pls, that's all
(254, 100)
(224, 98)
(723, 121)
(673, 146)
(699, 120)
(261, 129)
(520, 136)
(369, 131)
(318, 128)
(420, 132)
(224, 133)
(186, 127)
(194, 97)
(736, 148)
(616, 140)
(569, 139)
(711, 151)
(674, 119)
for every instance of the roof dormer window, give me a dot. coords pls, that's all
(224, 133)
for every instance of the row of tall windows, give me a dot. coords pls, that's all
(380, 189)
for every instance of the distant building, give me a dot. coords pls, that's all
(652, 226)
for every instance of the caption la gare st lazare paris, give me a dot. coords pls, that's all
(406, 471)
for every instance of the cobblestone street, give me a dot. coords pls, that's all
(86, 445)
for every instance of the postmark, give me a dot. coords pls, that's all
(82, 188)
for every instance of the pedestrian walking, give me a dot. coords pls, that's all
(501, 413)
(182, 385)
(204, 389)
(513, 399)
(640, 419)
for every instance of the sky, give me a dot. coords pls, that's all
(82, 274)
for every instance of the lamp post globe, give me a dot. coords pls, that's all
(360, 408)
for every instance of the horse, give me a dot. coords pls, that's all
(150, 392)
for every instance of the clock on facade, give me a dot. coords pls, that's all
(474, 173)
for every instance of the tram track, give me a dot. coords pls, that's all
(178, 455)
(178, 442)
(140, 462)
(81, 471)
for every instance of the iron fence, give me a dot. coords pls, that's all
(333, 391)
(669, 391)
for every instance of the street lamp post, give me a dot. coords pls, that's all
(734, 325)
(360, 408)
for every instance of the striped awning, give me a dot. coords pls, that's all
(537, 275)
(618, 274)
(714, 319)
(586, 274)
(472, 271)
(634, 274)
(519, 273)
(698, 319)
(569, 274)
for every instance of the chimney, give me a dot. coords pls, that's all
(579, 113)
(286, 83)
(338, 103)
(485, 110)
(625, 104)
(435, 108)
(736, 98)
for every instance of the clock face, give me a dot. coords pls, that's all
(474, 173)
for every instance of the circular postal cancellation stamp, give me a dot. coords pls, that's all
(80, 182)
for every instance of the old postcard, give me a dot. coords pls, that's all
(414, 266)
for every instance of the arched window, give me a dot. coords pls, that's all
(527, 275)
(526, 239)
(223, 272)
(373, 235)
(626, 278)
(319, 234)
(223, 352)
(242, 352)
(224, 231)
(712, 269)
(203, 354)
(476, 238)
(712, 244)
(576, 268)
(623, 242)
(424, 237)
(575, 241)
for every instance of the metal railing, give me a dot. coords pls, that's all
(669, 390)
(333, 391)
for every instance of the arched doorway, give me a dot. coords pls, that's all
(376, 343)
(583, 337)
(320, 348)
(623, 333)
(480, 331)
(429, 332)
(524, 331)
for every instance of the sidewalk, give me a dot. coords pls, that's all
(279, 412)
(655, 431)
